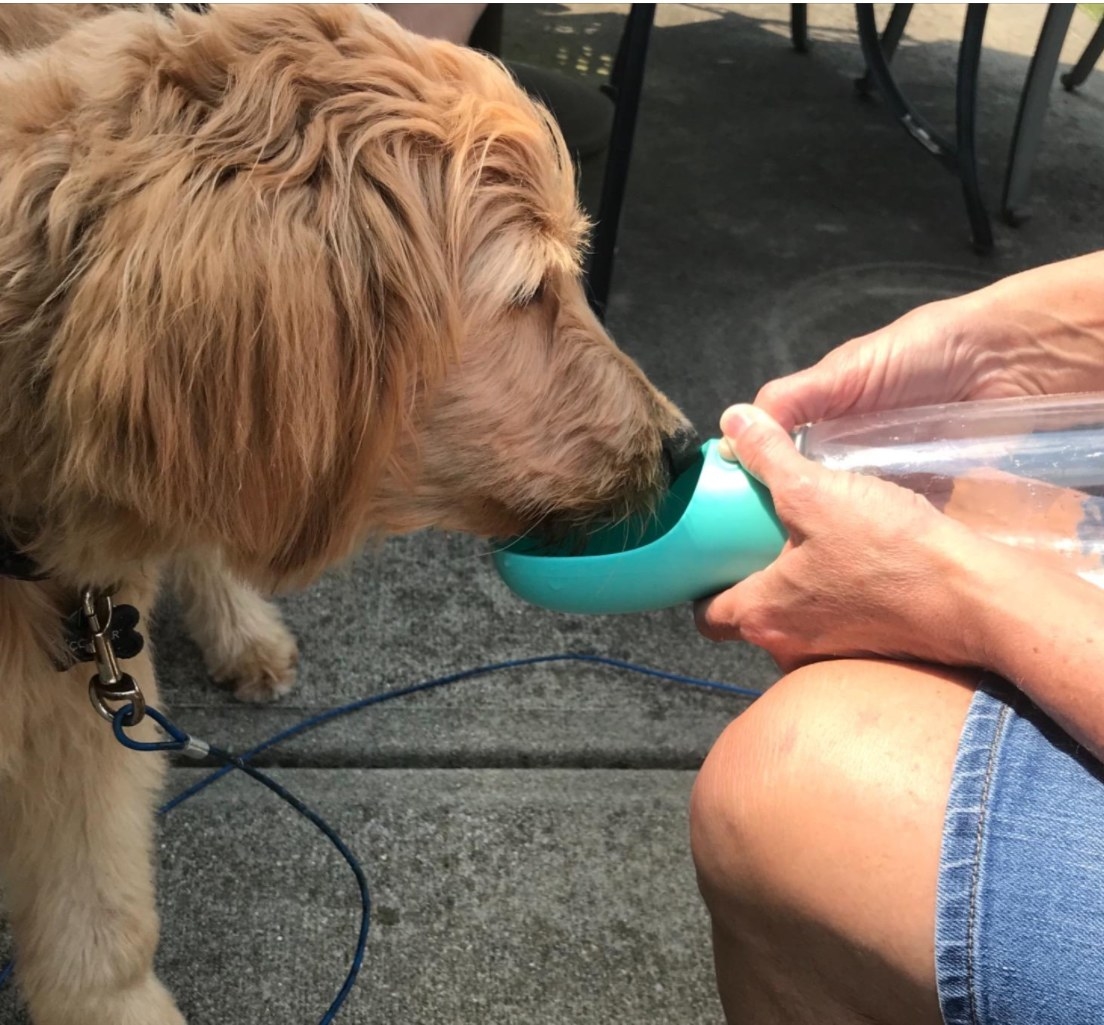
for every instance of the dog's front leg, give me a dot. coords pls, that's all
(76, 837)
(243, 638)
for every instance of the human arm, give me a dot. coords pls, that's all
(874, 569)
(1040, 332)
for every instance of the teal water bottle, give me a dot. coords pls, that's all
(1025, 471)
(714, 527)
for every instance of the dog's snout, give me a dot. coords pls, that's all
(680, 450)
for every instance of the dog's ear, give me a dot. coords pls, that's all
(259, 295)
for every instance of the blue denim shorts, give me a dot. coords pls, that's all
(1020, 914)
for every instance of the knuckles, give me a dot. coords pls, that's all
(799, 495)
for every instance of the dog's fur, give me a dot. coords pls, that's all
(273, 281)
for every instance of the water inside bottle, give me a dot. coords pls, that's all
(1028, 472)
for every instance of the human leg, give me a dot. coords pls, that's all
(817, 823)
(453, 22)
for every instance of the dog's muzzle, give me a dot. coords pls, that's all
(680, 450)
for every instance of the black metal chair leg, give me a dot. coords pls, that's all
(1034, 100)
(969, 57)
(627, 85)
(959, 157)
(486, 34)
(1087, 61)
(909, 118)
(890, 39)
(799, 27)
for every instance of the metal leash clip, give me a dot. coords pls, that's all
(109, 684)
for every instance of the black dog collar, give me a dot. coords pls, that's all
(121, 631)
(17, 564)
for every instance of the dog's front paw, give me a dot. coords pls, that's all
(259, 664)
(243, 638)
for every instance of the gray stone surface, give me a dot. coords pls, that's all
(525, 833)
(430, 605)
(501, 897)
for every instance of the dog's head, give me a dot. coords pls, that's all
(278, 278)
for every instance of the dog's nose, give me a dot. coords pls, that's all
(680, 450)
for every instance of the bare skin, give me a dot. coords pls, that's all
(817, 823)
(817, 819)
(453, 22)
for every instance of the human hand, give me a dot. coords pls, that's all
(1036, 333)
(870, 568)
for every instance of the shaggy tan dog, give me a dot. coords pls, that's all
(273, 281)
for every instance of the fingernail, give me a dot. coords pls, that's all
(735, 419)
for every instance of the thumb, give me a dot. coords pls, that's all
(760, 445)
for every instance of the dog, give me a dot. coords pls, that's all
(274, 282)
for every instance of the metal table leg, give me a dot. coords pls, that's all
(627, 81)
(959, 157)
(969, 57)
(799, 27)
(891, 37)
(1033, 108)
(1080, 71)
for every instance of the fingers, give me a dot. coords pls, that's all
(760, 445)
(715, 620)
(793, 400)
(827, 389)
(934, 353)
(735, 615)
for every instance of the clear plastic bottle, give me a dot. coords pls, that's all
(1026, 471)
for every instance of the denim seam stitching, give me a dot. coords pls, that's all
(971, 921)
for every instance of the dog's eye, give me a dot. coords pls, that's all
(528, 297)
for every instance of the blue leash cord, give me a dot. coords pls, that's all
(181, 742)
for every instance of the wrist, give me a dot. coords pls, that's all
(1003, 597)
(1037, 626)
(967, 567)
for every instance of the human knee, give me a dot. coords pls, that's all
(834, 740)
(774, 766)
(735, 798)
